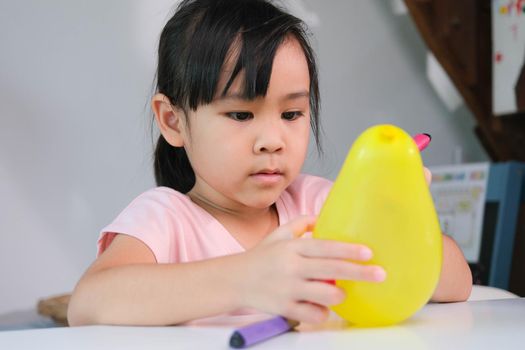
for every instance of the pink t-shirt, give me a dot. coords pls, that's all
(177, 230)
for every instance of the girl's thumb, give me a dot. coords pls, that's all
(292, 229)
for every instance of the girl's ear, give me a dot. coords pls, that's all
(169, 120)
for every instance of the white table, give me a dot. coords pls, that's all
(489, 324)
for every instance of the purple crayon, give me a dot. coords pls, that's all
(260, 331)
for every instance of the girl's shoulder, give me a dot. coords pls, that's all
(306, 195)
(306, 182)
(165, 199)
(166, 205)
(158, 217)
(309, 187)
(162, 193)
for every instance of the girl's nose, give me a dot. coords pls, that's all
(269, 139)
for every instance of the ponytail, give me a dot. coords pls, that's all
(172, 167)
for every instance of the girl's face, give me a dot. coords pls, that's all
(245, 153)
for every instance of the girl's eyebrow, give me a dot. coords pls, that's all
(296, 95)
(290, 96)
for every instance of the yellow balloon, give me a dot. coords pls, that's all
(380, 199)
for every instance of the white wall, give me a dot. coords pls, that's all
(75, 77)
(372, 65)
(75, 148)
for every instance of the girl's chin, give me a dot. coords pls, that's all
(262, 203)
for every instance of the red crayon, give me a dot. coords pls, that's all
(422, 140)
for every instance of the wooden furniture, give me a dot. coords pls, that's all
(459, 35)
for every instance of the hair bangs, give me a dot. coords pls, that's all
(244, 43)
(254, 52)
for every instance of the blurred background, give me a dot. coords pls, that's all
(75, 133)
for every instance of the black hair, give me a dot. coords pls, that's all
(193, 47)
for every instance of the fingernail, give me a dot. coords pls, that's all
(365, 254)
(379, 274)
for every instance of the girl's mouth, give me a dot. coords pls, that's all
(268, 176)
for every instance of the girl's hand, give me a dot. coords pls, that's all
(428, 175)
(287, 276)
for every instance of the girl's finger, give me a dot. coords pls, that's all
(320, 293)
(428, 175)
(321, 248)
(293, 229)
(307, 312)
(332, 269)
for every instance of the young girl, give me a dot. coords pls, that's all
(237, 93)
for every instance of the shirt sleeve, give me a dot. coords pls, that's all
(147, 218)
(306, 195)
(318, 190)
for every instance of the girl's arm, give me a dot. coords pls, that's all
(125, 286)
(455, 282)
(282, 275)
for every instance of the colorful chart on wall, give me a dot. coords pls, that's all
(459, 193)
(508, 73)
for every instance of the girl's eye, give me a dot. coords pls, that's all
(292, 115)
(240, 116)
